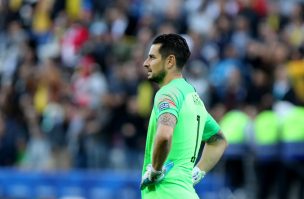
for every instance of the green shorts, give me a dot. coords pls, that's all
(167, 190)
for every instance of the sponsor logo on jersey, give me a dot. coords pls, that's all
(196, 99)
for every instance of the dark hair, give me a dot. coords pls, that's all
(173, 44)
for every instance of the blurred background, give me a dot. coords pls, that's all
(75, 102)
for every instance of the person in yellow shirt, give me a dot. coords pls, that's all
(295, 68)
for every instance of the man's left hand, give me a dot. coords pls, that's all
(197, 175)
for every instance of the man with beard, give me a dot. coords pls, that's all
(178, 124)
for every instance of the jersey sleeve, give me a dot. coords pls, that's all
(167, 101)
(211, 128)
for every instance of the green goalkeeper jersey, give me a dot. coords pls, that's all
(194, 125)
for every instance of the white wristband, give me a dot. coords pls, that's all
(155, 171)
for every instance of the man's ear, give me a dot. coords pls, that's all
(171, 61)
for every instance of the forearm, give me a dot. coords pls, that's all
(160, 152)
(163, 139)
(210, 156)
(212, 152)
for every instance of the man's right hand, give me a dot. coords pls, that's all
(152, 176)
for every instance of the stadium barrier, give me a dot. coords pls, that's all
(78, 184)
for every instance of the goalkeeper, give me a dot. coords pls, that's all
(178, 124)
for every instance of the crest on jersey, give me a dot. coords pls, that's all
(163, 106)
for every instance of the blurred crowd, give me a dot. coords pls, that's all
(74, 94)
